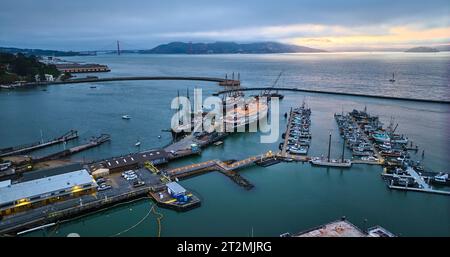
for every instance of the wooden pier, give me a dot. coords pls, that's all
(93, 142)
(221, 81)
(38, 145)
(287, 134)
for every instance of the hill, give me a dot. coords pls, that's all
(228, 48)
(15, 67)
(37, 52)
(422, 49)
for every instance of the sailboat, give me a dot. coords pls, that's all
(393, 78)
(342, 163)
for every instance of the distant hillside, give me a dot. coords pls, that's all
(422, 49)
(37, 52)
(228, 48)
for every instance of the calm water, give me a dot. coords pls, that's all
(287, 197)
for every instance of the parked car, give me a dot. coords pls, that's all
(138, 183)
(131, 177)
(101, 180)
(103, 187)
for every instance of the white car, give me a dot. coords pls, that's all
(131, 177)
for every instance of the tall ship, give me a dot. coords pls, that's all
(246, 113)
(340, 163)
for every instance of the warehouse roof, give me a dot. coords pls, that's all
(176, 188)
(44, 186)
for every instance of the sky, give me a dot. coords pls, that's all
(329, 25)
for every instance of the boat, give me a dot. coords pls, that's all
(393, 78)
(268, 92)
(397, 139)
(381, 137)
(218, 143)
(299, 150)
(330, 163)
(442, 178)
(342, 163)
(249, 113)
(138, 143)
(126, 117)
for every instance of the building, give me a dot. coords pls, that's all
(81, 68)
(38, 192)
(48, 78)
(175, 189)
(131, 161)
(342, 228)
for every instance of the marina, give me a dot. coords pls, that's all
(190, 160)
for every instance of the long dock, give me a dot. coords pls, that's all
(228, 169)
(287, 134)
(37, 145)
(95, 141)
(221, 81)
(304, 90)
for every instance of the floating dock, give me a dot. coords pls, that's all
(93, 142)
(22, 149)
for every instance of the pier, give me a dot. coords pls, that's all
(121, 191)
(221, 81)
(93, 142)
(227, 168)
(304, 90)
(37, 145)
(287, 134)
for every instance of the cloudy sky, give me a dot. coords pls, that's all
(330, 25)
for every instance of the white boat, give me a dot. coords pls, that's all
(251, 112)
(138, 143)
(441, 178)
(331, 163)
(300, 150)
(381, 137)
(126, 117)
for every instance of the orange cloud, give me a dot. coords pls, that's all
(395, 36)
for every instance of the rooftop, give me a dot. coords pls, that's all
(341, 228)
(176, 188)
(43, 186)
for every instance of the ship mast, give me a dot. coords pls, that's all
(329, 147)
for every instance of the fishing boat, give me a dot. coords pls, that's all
(441, 178)
(342, 163)
(397, 139)
(381, 137)
(126, 117)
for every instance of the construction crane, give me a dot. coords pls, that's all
(267, 92)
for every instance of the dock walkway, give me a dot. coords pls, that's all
(38, 145)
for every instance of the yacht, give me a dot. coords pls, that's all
(126, 117)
